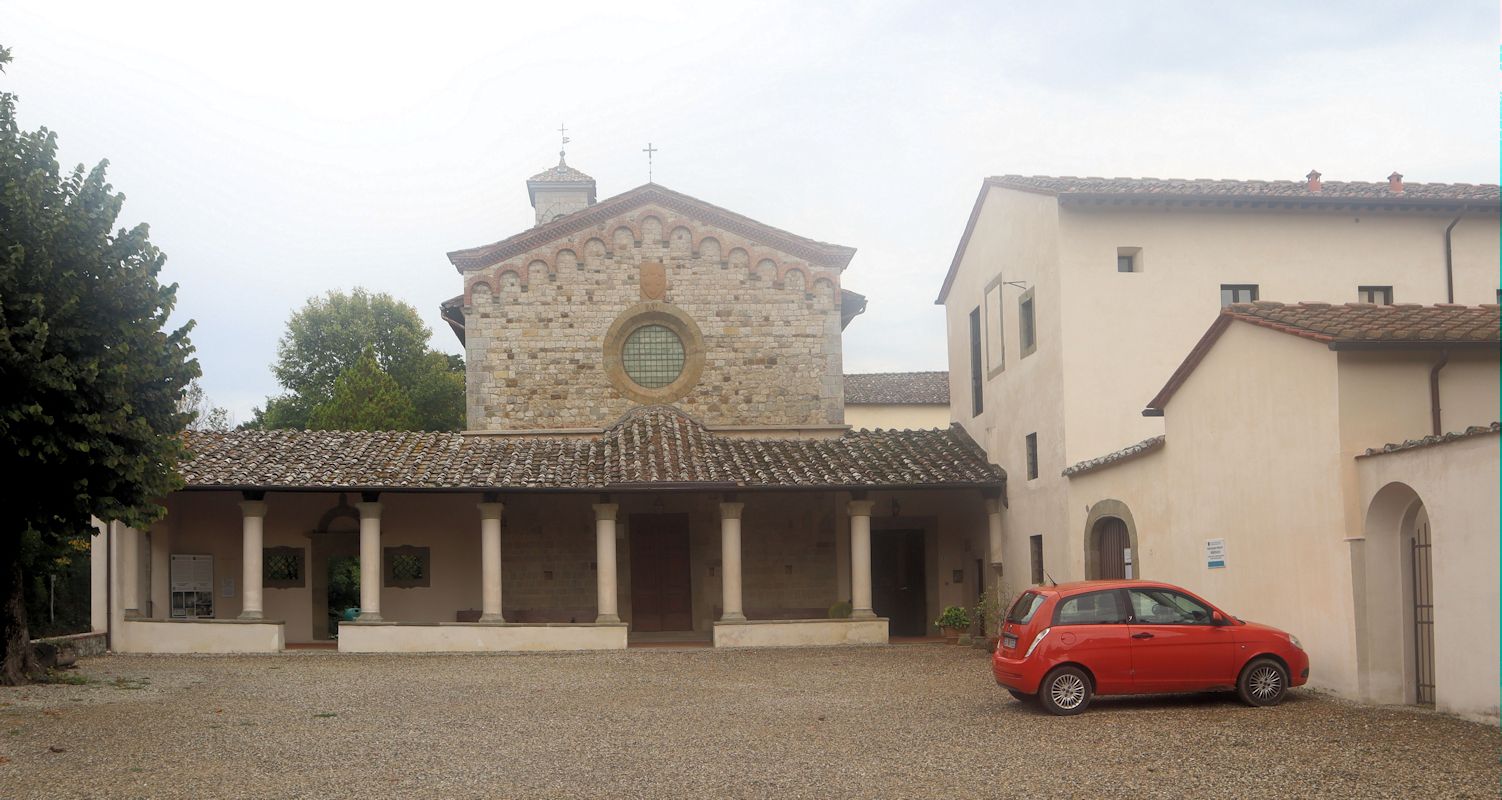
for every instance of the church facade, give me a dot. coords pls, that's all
(656, 451)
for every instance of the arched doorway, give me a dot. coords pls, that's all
(1398, 601)
(1111, 542)
(1112, 549)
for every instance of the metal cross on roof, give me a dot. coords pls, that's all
(649, 150)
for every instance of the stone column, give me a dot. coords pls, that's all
(161, 571)
(371, 573)
(860, 559)
(130, 571)
(605, 561)
(993, 526)
(490, 562)
(252, 521)
(730, 561)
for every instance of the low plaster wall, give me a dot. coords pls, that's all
(477, 637)
(200, 636)
(800, 632)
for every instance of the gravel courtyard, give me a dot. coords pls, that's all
(900, 721)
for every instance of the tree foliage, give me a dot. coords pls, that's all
(365, 398)
(206, 415)
(93, 374)
(329, 336)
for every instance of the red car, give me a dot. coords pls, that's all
(1064, 644)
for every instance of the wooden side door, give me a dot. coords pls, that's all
(1111, 542)
(898, 581)
(661, 596)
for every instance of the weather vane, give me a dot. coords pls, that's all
(562, 133)
(649, 150)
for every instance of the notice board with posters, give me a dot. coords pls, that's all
(1215, 553)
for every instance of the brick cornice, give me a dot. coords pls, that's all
(815, 252)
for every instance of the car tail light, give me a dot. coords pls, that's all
(1036, 640)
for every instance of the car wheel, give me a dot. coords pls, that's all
(1065, 691)
(1022, 697)
(1262, 683)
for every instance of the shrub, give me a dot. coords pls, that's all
(840, 610)
(954, 618)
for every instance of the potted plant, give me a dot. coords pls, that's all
(955, 621)
(989, 613)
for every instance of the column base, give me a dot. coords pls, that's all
(369, 616)
(251, 615)
(733, 617)
(603, 619)
(863, 613)
(492, 618)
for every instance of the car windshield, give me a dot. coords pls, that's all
(1026, 606)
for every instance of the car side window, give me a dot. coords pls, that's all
(1167, 607)
(1094, 608)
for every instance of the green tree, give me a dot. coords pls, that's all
(206, 415)
(329, 335)
(93, 375)
(365, 399)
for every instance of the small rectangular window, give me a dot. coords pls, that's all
(1035, 549)
(1237, 293)
(996, 360)
(1376, 295)
(977, 380)
(1032, 456)
(1027, 324)
(408, 567)
(282, 567)
(1128, 259)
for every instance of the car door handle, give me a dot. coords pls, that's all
(1142, 635)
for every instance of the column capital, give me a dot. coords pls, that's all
(369, 510)
(861, 508)
(731, 510)
(605, 511)
(253, 508)
(491, 510)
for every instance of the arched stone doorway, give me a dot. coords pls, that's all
(1111, 549)
(1397, 601)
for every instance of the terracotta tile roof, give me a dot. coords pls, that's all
(653, 446)
(815, 252)
(1237, 189)
(1231, 195)
(563, 173)
(1358, 324)
(1353, 326)
(1141, 448)
(1430, 441)
(897, 388)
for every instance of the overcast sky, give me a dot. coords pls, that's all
(279, 151)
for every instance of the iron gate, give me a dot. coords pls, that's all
(1423, 615)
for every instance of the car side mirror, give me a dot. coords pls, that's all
(1217, 618)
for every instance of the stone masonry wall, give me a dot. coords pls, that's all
(536, 327)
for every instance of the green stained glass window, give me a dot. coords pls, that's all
(653, 356)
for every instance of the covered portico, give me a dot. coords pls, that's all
(569, 543)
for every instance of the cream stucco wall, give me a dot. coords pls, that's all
(1016, 239)
(898, 417)
(1262, 446)
(1108, 341)
(1457, 486)
(1125, 333)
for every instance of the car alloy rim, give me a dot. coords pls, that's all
(1266, 683)
(1068, 691)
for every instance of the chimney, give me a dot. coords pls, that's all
(1395, 183)
(1314, 184)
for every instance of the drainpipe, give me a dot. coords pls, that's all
(109, 591)
(1444, 358)
(1449, 267)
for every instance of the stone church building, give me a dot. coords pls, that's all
(656, 450)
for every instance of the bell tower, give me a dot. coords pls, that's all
(561, 190)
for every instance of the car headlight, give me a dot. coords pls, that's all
(1034, 645)
(1295, 641)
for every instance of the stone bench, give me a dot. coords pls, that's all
(779, 613)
